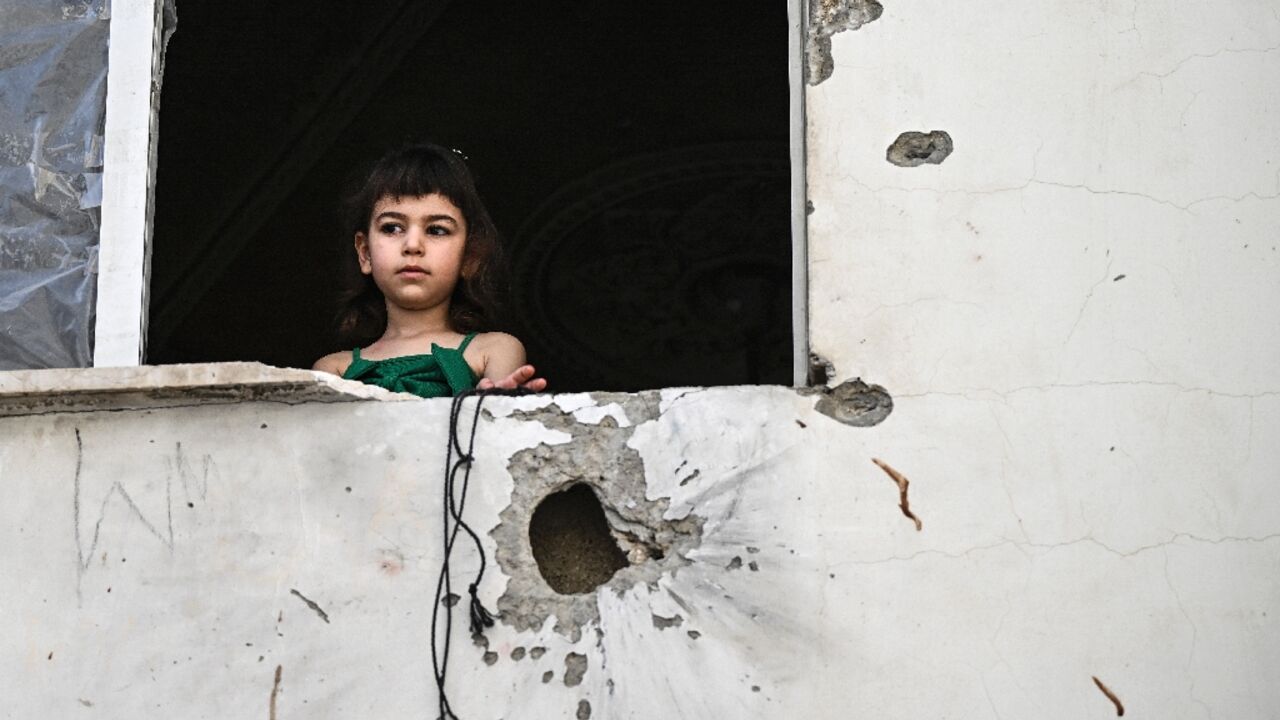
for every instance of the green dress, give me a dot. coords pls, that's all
(442, 373)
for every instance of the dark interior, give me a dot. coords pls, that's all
(633, 155)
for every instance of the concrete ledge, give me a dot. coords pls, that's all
(30, 392)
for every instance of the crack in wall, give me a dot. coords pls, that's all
(1049, 547)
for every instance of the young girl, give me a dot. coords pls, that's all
(428, 256)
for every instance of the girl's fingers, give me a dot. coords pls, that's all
(521, 377)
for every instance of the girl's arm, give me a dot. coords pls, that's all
(504, 364)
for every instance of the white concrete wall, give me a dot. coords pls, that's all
(1076, 313)
(151, 555)
(1092, 456)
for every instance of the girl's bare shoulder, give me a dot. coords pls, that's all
(497, 342)
(334, 363)
(492, 352)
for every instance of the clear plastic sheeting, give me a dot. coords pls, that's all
(53, 78)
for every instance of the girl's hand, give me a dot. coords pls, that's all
(521, 377)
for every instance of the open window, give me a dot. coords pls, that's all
(643, 164)
(636, 157)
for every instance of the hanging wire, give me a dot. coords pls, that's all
(458, 460)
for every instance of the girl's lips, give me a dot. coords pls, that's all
(411, 271)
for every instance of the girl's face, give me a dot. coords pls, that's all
(413, 249)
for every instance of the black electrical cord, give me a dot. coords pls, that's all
(453, 505)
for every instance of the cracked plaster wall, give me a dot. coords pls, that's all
(220, 561)
(1071, 317)
(1075, 316)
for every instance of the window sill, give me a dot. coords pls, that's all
(33, 392)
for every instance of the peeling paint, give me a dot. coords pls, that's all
(662, 623)
(826, 18)
(575, 667)
(821, 370)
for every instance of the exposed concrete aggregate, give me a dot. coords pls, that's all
(856, 403)
(913, 149)
(598, 456)
(826, 18)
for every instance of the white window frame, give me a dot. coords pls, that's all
(134, 64)
(796, 22)
(128, 181)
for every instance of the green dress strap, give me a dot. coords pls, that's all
(462, 347)
(442, 373)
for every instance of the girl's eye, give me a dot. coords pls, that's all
(390, 228)
(437, 230)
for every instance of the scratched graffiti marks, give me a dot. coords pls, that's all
(194, 485)
(177, 464)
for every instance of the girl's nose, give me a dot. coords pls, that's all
(413, 243)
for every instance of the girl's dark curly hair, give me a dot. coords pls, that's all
(413, 171)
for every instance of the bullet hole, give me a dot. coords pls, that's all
(584, 710)
(575, 666)
(547, 676)
(856, 403)
(912, 149)
(694, 634)
(517, 654)
(653, 542)
(753, 566)
(535, 653)
(755, 688)
(734, 564)
(571, 543)
(490, 657)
